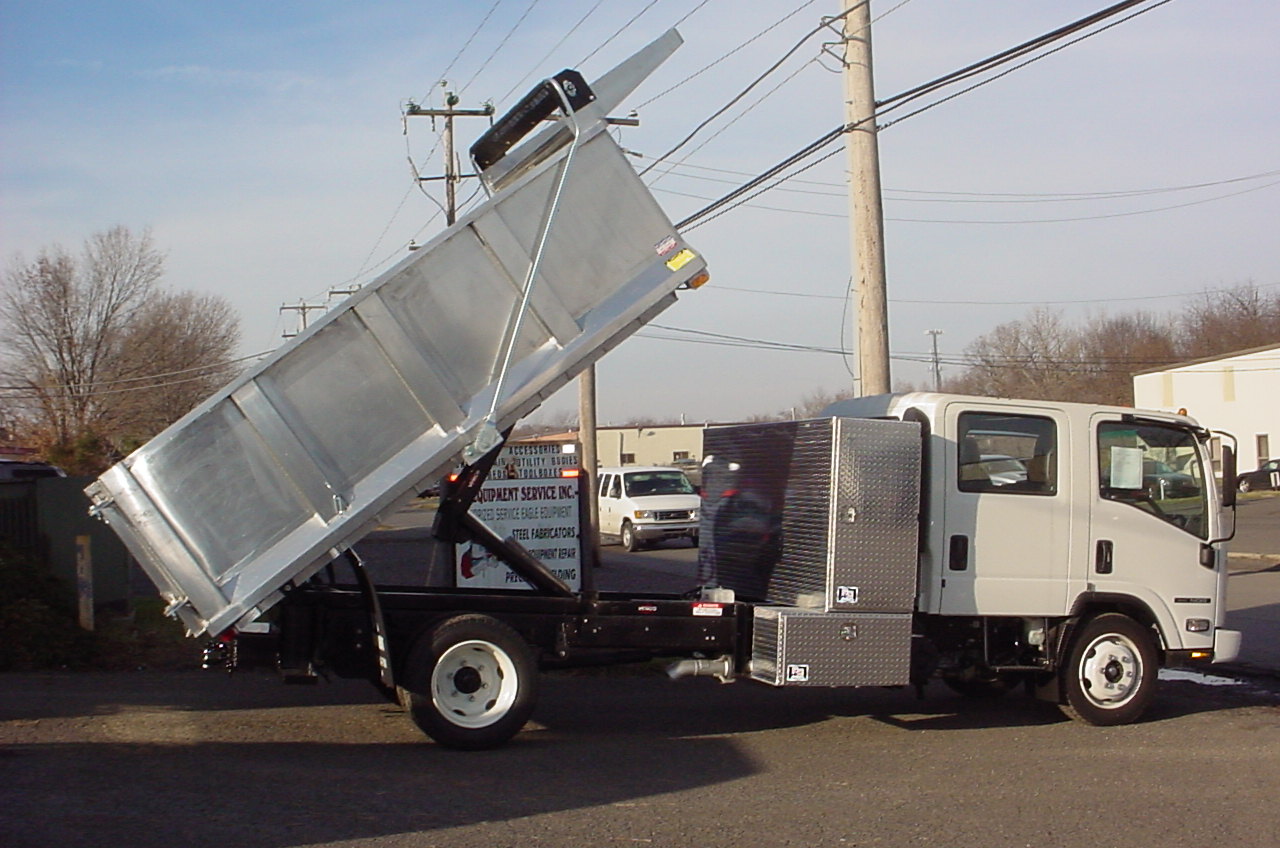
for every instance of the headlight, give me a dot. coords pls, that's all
(693, 514)
(642, 513)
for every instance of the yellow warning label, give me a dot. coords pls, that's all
(681, 259)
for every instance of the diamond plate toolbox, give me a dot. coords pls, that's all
(794, 647)
(820, 514)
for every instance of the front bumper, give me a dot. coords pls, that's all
(1226, 644)
(676, 530)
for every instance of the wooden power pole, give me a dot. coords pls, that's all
(451, 175)
(866, 210)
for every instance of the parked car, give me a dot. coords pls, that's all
(1266, 477)
(1162, 482)
(20, 471)
(645, 504)
(1003, 470)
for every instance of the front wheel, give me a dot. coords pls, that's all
(1244, 486)
(471, 682)
(630, 541)
(1110, 674)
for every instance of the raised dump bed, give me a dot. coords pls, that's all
(275, 475)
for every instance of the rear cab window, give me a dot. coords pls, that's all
(1006, 453)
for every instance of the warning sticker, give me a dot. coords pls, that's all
(846, 594)
(708, 609)
(798, 673)
(665, 246)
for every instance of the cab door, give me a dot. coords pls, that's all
(1149, 526)
(1006, 536)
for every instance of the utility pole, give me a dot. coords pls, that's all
(303, 309)
(866, 210)
(451, 175)
(937, 368)
(590, 459)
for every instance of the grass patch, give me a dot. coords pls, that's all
(39, 627)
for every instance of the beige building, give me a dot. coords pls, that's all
(1237, 393)
(662, 444)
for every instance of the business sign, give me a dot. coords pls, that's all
(526, 498)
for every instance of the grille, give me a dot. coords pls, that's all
(672, 515)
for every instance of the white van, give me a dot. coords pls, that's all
(642, 504)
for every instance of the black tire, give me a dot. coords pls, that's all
(630, 541)
(471, 682)
(1110, 673)
(693, 540)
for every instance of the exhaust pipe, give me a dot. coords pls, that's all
(721, 668)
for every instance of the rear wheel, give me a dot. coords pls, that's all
(1244, 486)
(471, 682)
(1110, 674)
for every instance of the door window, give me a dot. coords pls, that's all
(1155, 468)
(999, 452)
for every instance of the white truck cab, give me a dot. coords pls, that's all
(642, 504)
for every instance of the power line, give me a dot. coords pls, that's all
(501, 44)
(991, 302)
(722, 204)
(467, 43)
(750, 40)
(837, 189)
(619, 32)
(901, 220)
(69, 392)
(726, 340)
(554, 48)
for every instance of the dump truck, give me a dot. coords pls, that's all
(875, 546)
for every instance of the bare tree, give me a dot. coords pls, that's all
(81, 341)
(1037, 357)
(1113, 348)
(1233, 319)
(177, 351)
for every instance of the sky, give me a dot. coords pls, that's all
(264, 147)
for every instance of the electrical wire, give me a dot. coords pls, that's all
(541, 62)
(1099, 217)
(501, 44)
(935, 301)
(619, 32)
(1117, 8)
(721, 205)
(839, 190)
(726, 340)
(467, 43)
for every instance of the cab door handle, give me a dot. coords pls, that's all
(958, 557)
(1104, 557)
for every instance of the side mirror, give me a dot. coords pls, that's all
(1229, 476)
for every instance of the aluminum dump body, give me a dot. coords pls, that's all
(271, 478)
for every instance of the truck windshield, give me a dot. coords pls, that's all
(658, 483)
(1155, 468)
